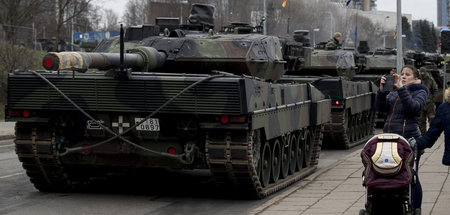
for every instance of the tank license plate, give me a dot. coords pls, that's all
(151, 124)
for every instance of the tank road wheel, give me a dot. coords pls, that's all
(359, 127)
(266, 162)
(364, 124)
(36, 149)
(256, 152)
(286, 155)
(353, 129)
(350, 129)
(371, 122)
(308, 147)
(276, 160)
(348, 122)
(367, 123)
(294, 144)
(300, 155)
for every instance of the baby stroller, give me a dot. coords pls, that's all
(389, 175)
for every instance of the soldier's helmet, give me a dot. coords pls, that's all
(337, 34)
(422, 69)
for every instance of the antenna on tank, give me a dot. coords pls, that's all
(121, 49)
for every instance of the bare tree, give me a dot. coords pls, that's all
(16, 14)
(67, 9)
(94, 15)
(12, 58)
(135, 12)
(111, 20)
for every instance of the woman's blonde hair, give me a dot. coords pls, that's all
(447, 95)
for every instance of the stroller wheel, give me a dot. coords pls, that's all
(363, 212)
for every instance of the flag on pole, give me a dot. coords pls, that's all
(284, 3)
(395, 35)
(354, 2)
(348, 2)
(356, 33)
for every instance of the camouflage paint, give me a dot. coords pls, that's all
(329, 59)
(378, 62)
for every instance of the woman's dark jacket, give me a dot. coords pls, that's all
(441, 122)
(403, 105)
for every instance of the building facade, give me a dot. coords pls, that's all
(365, 5)
(443, 7)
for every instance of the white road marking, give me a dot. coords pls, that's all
(12, 175)
(7, 145)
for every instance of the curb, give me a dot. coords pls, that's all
(6, 137)
(299, 185)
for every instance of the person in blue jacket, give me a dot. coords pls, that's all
(404, 105)
(440, 123)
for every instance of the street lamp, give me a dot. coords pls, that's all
(399, 40)
(403, 40)
(314, 36)
(384, 33)
(331, 23)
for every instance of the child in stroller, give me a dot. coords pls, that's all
(389, 175)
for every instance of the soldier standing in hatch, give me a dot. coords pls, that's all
(429, 110)
(334, 43)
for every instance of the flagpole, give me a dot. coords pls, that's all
(288, 19)
(356, 26)
(399, 37)
(265, 19)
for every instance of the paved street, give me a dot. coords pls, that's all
(157, 193)
(6, 130)
(338, 189)
(335, 188)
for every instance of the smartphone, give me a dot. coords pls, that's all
(389, 85)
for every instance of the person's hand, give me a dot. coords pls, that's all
(398, 82)
(412, 143)
(382, 82)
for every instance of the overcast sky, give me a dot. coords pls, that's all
(117, 6)
(419, 9)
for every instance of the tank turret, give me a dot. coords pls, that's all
(184, 51)
(316, 61)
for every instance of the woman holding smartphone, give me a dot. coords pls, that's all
(404, 105)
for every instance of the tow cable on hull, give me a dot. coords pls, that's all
(185, 158)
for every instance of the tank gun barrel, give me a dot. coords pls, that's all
(140, 59)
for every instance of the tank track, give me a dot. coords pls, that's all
(234, 168)
(346, 131)
(36, 149)
(231, 161)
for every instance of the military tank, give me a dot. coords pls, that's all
(434, 64)
(186, 98)
(371, 66)
(333, 72)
